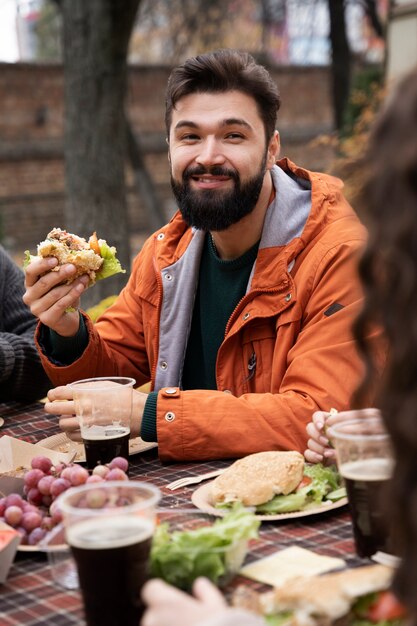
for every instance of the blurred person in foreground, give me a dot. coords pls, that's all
(22, 376)
(239, 311)
(388, 271)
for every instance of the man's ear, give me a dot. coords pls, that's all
(274, 147)
(169, 155)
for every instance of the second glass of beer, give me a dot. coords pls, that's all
(365, 460)
(104, 409)
(109, 528)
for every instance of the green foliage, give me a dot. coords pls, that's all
(95, 311)
(48, 30)
(366, 82)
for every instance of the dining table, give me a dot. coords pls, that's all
(30, 596)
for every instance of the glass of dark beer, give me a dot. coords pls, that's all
(104, 409)
(365, 460)
(109, 527)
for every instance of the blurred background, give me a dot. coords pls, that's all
(82, 84)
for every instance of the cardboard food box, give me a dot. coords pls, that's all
(15, 459)
(9, 540)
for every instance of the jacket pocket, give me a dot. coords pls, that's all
(265, 347)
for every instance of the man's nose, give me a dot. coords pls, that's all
(210, 153)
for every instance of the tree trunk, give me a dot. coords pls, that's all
(96, 36)
(340, 60)
(143, 181)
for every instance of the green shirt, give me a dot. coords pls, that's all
(221, 286)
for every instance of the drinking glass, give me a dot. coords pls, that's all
(365, 461)
(104, 410)
(109, 527)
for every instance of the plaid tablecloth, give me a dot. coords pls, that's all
(31, 597)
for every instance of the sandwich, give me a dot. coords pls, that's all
(353, 597)
(93, 257)
(276, 482)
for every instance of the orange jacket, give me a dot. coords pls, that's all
(287, 351)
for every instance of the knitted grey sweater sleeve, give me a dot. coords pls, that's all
(22, 377)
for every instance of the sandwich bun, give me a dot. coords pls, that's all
(258, 477)
(317, 600)
(69, 248)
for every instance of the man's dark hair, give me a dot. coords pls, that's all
(220, 71)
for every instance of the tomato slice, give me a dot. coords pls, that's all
(93, 243)
(306, 480)
(386, 607)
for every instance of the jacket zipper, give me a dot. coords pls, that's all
(160, 290)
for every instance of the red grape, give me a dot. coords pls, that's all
(46, 501)
(116, 474)
(43, 463)
(94, 478)
(32, 477)
(34, 496)
(31, 520)
(55, 511)
(58, 486)
(47, 523)
(66, 472)
(120, 462)
(36, 535)
(2, 506)
(14, 499)
(78, 475)
(45, 484)
(13, 515)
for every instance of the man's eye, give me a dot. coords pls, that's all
(189, 137)
(236, 136)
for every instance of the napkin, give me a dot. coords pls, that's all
(9, 540)
(15, 453)
(279, 567)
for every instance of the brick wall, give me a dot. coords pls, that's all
(32, 183)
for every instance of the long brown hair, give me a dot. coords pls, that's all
(388, 271)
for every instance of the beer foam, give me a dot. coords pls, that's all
(110, 532)
(100, 433)
(368, 469)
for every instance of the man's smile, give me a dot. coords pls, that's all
(207, 181)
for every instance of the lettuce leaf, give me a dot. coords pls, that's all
(284, 504)
(278, 619)
(328, 476)
(324, 480)
(28, 258)
(179, 557)
(111, 265)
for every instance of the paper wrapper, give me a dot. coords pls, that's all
(9, 540)
(16, 457)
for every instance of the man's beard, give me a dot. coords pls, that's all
(216, 210)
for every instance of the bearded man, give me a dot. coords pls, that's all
(238, 311)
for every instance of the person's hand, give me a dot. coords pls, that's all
(319, 448)
(165, 601)
(48, 296)
(60, 402)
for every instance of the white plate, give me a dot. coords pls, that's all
(61, 443)
(200, 498)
